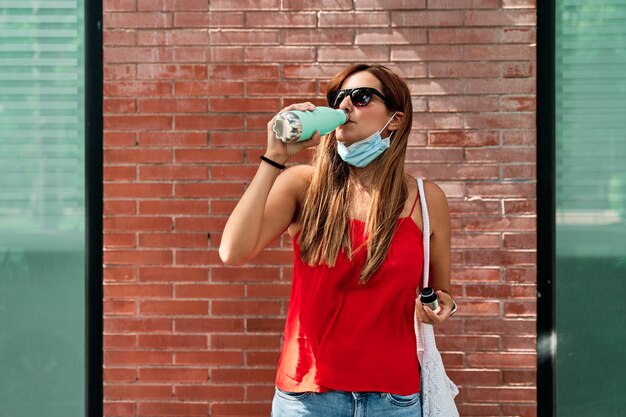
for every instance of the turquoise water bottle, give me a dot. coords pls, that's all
(296, 125)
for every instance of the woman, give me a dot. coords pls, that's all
(354, 216)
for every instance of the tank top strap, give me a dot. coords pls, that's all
(417, 197)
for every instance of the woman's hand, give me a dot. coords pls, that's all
(426, 315)
(279, 151)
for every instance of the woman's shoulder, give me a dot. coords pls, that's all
(435, 196)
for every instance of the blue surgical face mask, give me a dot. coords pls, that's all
(361, 153)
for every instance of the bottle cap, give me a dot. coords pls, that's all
(428, 295)
(287, 127)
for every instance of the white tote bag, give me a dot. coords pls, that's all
(438, 391)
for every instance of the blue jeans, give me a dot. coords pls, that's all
(345, 404)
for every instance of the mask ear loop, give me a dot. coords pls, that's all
(386, 124)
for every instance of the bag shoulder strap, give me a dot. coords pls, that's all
(425, 230)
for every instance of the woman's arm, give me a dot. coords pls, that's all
(269, 204)
(440, 255)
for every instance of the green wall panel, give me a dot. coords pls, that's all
(590, 207)
(42, 217)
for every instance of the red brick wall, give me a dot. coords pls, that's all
(189, 87)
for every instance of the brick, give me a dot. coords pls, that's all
(471, 377)
(519, 34)
(500, 18)
(209, 358)
(136, 257)
(244, 37)
(119, 5)
(212, 291)
(119, 38)
(353, 19)
(184, 342)
(172, 274)
(119, 274)
(138, 392)
(119, 240)
(463, 70)
(172, 172)
(520, 308)
(119, 375)
(317, 5)
(210, 325)
(265, 325)
(120, 308)
(225, 54)
(173, 139)
(173, 308)
(127, 156)
(466, 138)
(134, 325)
(280, 19)
(119, 139)
(427, 53)
(119, 72)
(173, 240)
(165, 409)
(389, 4)
(138, 122)
(464, 36)
(173, 5)
(186, 37)
(221, 122)
(391, 36)
(120, 173)
(177, 207)
(242, 375)
(153, 190)
(244, 105)
(173, 374)
(499, 52)
(518, 69)
(171, 72)
(137, 54)
(122, 342)
(427, 18)
(243, 72)
(137, 20)
(208, 20)
(138, 223)
(137, 290)
(463, 104)
(209, 393)
(245, 308)
(248, 5)
(137, 358)
(267, 88)
(463, 4)
(500, 394)
(318, 37)
(119, 105)
(120, 409)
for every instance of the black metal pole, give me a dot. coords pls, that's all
(93, 209)
(546, 208)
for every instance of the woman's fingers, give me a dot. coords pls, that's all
(300, 106)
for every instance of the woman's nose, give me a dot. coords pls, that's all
(346, 104)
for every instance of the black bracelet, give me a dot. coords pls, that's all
(272, 163)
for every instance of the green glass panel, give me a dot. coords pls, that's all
(590, 207)
(42, 209)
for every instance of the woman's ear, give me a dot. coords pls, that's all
(396, 122)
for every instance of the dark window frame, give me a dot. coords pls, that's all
(93, 209)
(546, 207)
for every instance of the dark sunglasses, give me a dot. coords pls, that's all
(360, 96)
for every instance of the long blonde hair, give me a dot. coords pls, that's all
(324, 214)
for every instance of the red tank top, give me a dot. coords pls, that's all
(342, 335)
